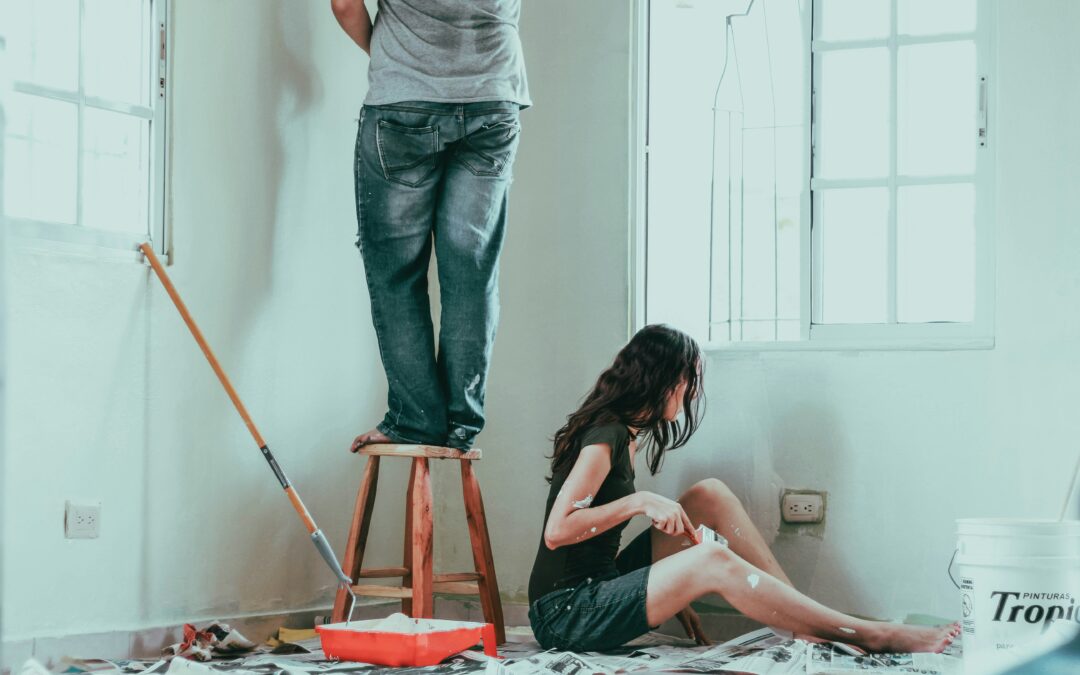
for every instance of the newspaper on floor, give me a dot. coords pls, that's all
(559, 663)
(75, 666)
(761, 652)
(707, 659)
(822, 659)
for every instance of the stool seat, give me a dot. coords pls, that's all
(419, 582)
(431, 451)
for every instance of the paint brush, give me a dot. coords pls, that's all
(704, 533)
(322, 545)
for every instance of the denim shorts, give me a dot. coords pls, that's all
(594, 615)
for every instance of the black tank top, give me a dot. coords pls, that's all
(593, 558)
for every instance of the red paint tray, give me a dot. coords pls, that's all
(358, 643)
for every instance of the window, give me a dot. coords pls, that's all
(816, 172)
(85, 138)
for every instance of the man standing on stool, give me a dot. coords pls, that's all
(436, 143)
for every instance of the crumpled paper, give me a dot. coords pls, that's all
(201, 645)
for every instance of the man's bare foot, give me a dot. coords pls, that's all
(901, 639)
(370, 438)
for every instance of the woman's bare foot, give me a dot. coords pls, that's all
(370, 438)
(900, 638)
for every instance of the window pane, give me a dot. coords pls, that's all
(853, 19)
(788, 54)
(927, 17)
(726, 209)
(854, 226)
(853, 97)
(40, 174)
(758, 254)
(791, 179)
(115, 171)
(117, 50)
(936, 108)
(936, 253)
(789, 267)
(680, 156)
(43, 41)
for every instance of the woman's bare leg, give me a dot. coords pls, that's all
(712, 568)
(711, 503)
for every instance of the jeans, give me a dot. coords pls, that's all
(594, 616)
(434, 175)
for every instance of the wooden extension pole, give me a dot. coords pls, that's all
(317, 536)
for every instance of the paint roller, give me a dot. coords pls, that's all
(322, 545)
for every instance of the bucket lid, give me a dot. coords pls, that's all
(1018, 526)
(1041, 561)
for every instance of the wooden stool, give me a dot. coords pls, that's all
(419, 582)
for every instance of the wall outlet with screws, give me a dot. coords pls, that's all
(802, 507)
(82, 520)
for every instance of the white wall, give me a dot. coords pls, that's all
(564, 284)
(113, 400)
(906, 442)
(5, 85)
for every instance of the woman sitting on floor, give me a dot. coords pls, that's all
(585, 595)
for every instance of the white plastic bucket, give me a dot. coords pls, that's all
(1014, 537)
(1016, 578)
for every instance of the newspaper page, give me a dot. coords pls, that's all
(824, 659)
(559, 663)
(773, 657)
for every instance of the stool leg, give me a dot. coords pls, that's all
(358, 533)
(481, 546)
(423, 598)
(406, 580)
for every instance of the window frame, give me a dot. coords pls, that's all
(68, 235)
(977, 334)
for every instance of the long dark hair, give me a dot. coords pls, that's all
(633, 392)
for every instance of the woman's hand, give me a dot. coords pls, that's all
(667, 515)
(691, 623)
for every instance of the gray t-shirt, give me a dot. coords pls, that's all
(447, 51)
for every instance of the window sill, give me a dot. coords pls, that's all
(73, 240)
(836, 345)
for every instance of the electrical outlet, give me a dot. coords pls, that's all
(82, 520)
(802, 507)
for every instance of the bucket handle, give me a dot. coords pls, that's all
(951, 561)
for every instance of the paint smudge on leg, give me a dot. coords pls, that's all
(753, 580)
(849, 631)
(593, 530)
(584, 503)
(737, 532)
